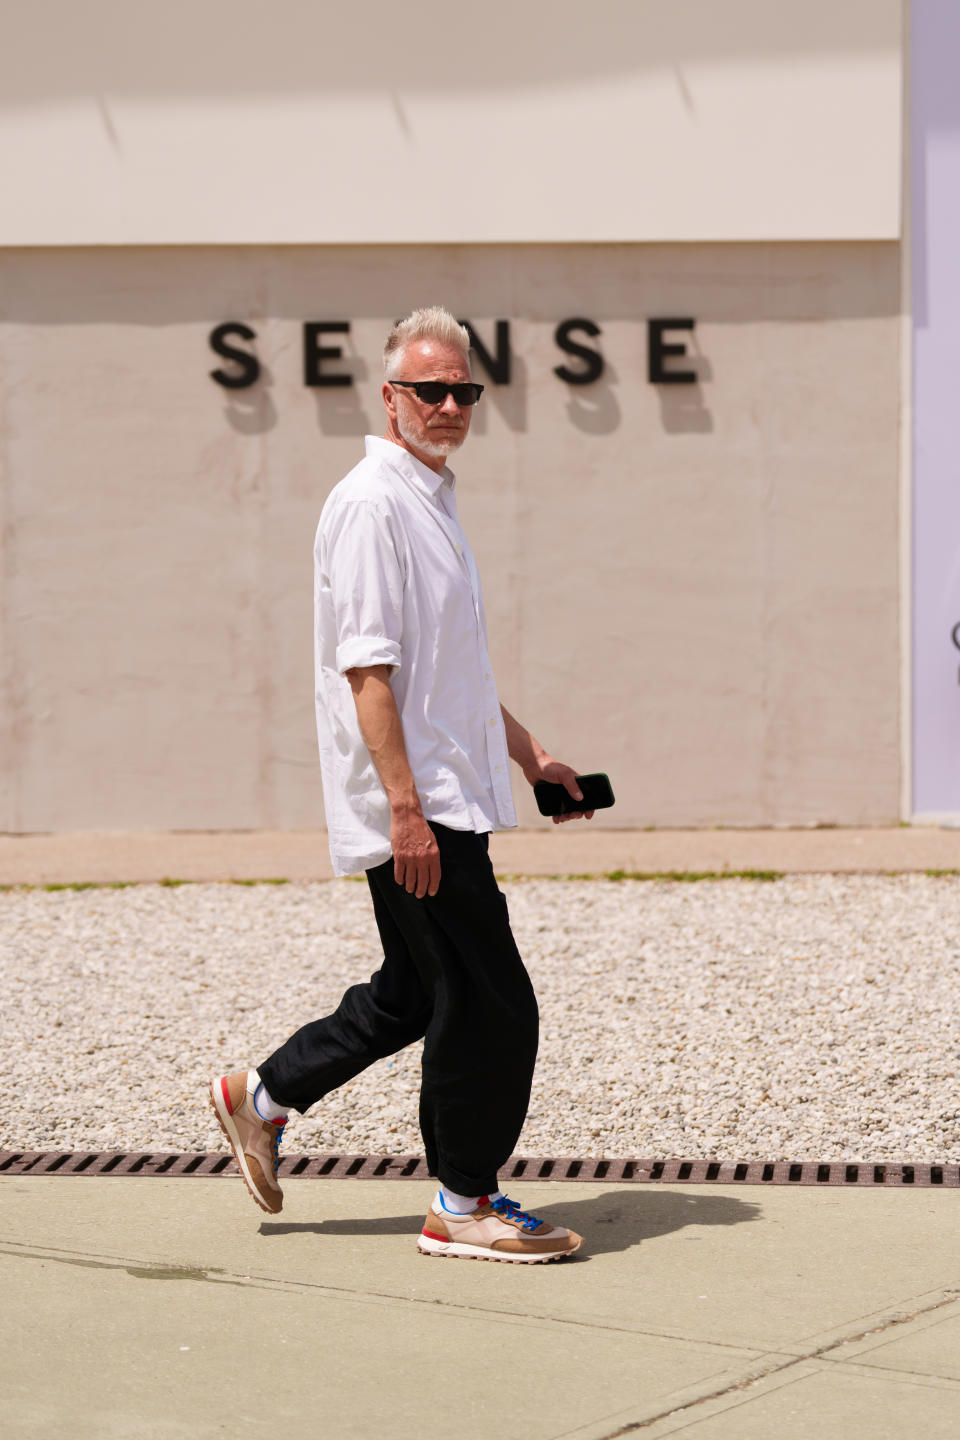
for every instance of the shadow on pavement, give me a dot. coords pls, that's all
(363, 1225)
(626, 1218)
(608, 1223)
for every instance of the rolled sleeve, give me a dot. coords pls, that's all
(362, 651)
(365, 575)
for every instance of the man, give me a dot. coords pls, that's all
(414, 750)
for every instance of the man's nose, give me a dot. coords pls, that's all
(450, 406)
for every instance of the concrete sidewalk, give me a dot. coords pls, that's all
(574, 848)
(162, 1308)
(722, 1312)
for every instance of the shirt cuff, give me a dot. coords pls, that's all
(362, 651)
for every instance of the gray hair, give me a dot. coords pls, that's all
(433, 323)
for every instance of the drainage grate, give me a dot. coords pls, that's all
(414, 1167)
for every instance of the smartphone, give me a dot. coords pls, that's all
(557, 800)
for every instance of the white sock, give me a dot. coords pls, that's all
(456, 1204)
(266, 1107)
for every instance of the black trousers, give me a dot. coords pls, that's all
(451, 975)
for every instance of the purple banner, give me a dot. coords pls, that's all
(935, 216)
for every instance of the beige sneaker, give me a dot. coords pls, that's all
(496, 1230)
(254, 1141)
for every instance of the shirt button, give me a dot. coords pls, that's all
(493, 722)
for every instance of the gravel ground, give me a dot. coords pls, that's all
(813, 1017)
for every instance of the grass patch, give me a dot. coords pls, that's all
(684, 876)
(168, 882)
(82, 885)
(262, 880)
(267, 880)
(689, 877)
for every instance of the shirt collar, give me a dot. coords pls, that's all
(408, 465)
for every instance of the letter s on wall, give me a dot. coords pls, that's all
(249, 364)
(592, 359)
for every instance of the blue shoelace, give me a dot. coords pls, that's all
(510, 1210)
(276, 1147)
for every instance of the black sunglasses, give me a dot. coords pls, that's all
(434, 392)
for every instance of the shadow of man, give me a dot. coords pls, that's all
(617, 1219)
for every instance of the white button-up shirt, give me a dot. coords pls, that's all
(396, 584)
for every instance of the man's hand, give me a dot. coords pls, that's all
(544, 768)
(536, 764)
(416, 859)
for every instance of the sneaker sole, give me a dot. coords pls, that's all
(453, 1250)
(233, 1140)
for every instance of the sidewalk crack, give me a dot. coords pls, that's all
(819, 1352)
(157, 1270)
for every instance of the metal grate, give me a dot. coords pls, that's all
(414, 1167)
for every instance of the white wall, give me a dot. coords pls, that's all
(694, 588)
(236, 122)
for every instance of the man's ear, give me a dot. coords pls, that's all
(389, 398)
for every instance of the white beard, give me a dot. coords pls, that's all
(430, 446)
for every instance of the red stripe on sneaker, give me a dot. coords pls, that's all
(432, 1235)
(226, 1094)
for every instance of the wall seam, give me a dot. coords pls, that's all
(906, 436)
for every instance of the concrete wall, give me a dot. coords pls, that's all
(235, 122)
(692, 587)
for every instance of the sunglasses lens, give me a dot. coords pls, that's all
(431, 392)
(434, 392)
